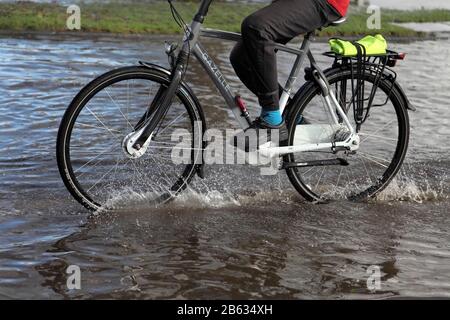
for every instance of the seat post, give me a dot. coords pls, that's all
(308, 37)
(202, 11)
(296, 69)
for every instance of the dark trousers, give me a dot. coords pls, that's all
(254, 57)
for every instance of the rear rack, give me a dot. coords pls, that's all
(391, 56)
(360, 65)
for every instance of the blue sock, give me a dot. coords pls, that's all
(272, 117)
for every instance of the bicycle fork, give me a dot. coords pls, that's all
(136, 143)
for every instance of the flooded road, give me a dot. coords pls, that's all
(236, 234)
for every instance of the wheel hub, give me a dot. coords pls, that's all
(138, 151)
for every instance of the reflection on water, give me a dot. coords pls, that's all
(300, 251)
(234, 235)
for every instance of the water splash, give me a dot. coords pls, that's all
(211, 199)
(404, 188)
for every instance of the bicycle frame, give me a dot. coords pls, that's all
(220, 81)
(191, 44)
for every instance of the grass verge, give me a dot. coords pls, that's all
(155, 18)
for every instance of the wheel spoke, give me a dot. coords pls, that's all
(367, 156)
(339, 177)
(379, 129)
(98, 119)
(97, 127)
(96, 157)
(376, 136)
(379, 145)
(365, 168)
(320, 177)
(172, 122)
(99, 180)
(118, 107)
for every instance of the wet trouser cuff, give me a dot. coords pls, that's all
(269, 101)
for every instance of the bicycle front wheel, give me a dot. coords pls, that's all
(93, 164)
(383, 141)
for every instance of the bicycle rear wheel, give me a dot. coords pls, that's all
(383, 145)
(91, 160)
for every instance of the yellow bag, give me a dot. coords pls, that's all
(374, 45)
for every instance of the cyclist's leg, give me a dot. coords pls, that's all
(242, 66)
(278, 22)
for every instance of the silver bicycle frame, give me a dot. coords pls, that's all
(191, 44)
(220, 81)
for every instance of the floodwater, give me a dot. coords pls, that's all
(244, 235)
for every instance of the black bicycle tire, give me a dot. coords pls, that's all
(305, 95)
(82, 98)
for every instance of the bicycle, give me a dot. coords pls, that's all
(114, 138)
